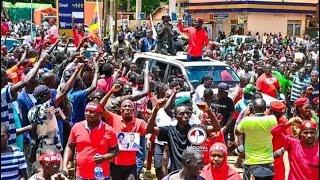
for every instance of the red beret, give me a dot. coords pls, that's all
(301, 101)
(200, 19)
(308, 125)
(277, 106)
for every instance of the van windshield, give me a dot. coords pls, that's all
(219, 73)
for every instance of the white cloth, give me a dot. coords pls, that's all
(197, 97)
(53, 31)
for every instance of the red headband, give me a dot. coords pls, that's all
(50, 158)
(94, 107)
(219, 147)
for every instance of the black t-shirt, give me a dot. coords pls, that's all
(177, 141)
(225, 107)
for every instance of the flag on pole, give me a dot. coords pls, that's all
(95, 24)
(95, 27)
(154, 32)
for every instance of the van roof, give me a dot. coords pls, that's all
(181, 58)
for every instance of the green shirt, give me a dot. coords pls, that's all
(284, 82)
(258, 138)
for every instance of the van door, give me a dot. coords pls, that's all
(164, 68)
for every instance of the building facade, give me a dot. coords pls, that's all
(290, 17)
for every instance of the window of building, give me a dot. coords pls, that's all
(293, 28)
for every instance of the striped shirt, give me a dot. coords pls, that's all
(11, 163)
(7, 113)
(297, 87)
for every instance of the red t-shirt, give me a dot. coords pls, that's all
(304, 161)
(127, 158)
(4, 28)
(88, 144)
(77, 36)
(211, 139)
(268, 85)
(105, 84)
(197, 39)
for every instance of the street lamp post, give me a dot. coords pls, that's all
(31, 33)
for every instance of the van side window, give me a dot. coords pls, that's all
(176, 71)
(140, 63)
(158, 69)
(239, 40)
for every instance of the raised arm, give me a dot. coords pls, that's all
(214, 126)
(144, 92)
(31, 74)
(53, 47)
(65, 50)
(95, 77)
(278, 132)
(67, 87)
(181, 27)
(115, 88)
(151, 128)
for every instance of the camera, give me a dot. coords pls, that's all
(239, 149)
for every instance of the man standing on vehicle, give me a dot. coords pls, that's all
(198, 38)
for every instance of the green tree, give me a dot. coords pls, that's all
(147, 5)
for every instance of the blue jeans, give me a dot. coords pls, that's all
(194, 58)
(141, 154)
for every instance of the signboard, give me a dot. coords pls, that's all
(142, 16)
(174, 17)
(68, 9)
(220, 16)
(188, 19)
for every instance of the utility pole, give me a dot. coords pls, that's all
(111, 21)
(115, 8)
(128, 5)
(106, 12)
(138, 11)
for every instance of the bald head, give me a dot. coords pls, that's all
(259, 105)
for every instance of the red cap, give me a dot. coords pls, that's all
(277, 106)
(308, 125)
(200, 19)
(301, 101)
(94, 107)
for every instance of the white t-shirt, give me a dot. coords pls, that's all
(53, 31)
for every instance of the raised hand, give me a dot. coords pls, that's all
(161, 102)
(203, 106)
(116, 88)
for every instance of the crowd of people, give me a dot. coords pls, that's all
(71, 116)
